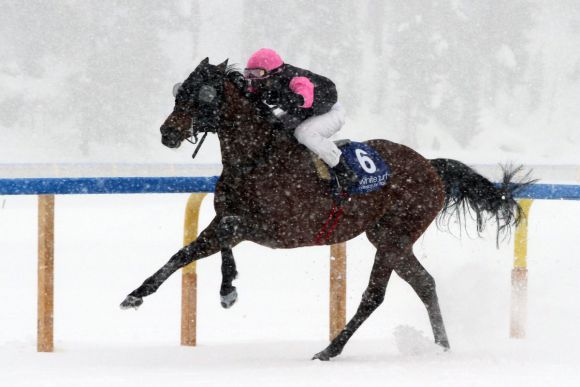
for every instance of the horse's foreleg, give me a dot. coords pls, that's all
(228, 292)
(229, 229)
(205, 245)
(196, 250)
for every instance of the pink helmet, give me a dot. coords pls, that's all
(265, 58)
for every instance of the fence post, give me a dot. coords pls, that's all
(45, 327)
(189, 275)
(337, 292)
(519, 296)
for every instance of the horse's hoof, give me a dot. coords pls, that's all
(444, 344)
(322, 356)
(327, 354)
(131, 302)
(229, 299)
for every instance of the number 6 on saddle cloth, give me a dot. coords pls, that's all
(366, 163)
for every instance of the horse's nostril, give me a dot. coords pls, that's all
(171, 139)
(169, 142)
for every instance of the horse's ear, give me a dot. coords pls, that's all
(222, 66)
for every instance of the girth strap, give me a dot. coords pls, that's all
(331, 222)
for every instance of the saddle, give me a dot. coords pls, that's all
(369, 166)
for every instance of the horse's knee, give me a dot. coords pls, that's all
(227, 229)
(229, 223)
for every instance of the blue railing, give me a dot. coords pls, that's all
(551, 192)
(133, 185)
(106, 185)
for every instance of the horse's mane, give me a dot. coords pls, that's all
(264, 111)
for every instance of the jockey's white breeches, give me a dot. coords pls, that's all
(314, 133)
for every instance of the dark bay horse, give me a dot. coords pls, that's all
(270, 193)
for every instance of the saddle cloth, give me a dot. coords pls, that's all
(372, 171)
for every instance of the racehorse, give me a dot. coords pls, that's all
(270, 193)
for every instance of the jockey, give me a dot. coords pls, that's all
(310, 104)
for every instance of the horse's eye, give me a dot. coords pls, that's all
(207, 93)
(176, 88)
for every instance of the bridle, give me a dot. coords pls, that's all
(193, 139)
(207, 95)
(209, 118)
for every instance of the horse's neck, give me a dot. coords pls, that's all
(248, 137)
(238, 148)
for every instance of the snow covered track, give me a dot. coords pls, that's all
(131, 179)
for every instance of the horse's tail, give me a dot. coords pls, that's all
(466, 191)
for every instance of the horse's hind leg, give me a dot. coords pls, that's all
(228, 292)
(372, 298)
(423, 283)
(398, 232)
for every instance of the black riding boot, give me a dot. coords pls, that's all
(345, 175)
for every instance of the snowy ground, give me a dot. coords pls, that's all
(106, 246)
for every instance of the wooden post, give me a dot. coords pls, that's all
(45, 325)
(337, 288)
(189, 275)
(519, 297)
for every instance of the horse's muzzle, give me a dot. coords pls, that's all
(171, 138)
